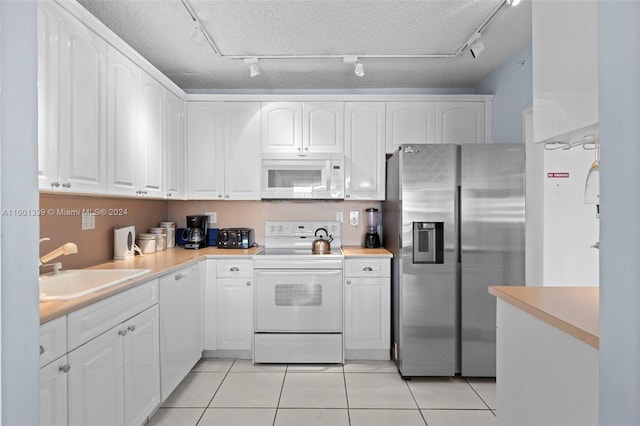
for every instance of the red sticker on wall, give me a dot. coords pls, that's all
(555, 175)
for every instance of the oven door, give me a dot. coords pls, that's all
(299, 300)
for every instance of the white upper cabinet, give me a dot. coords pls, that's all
(323, 127)
(410, 122)
(152, 144)
(205, 151)
(174, 146)
(71, 103)
(241, 150)
(460, 122)
(124, 130)
(223, 150)
(565, 67)
(364, 151)
(299, 127)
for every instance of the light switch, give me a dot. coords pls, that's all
(339, 217)
(88, 221)
(353, 218)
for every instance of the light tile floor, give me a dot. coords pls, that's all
(228, 392)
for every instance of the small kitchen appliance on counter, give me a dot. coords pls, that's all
(372, 219)
(298, 295)
(195, 234)
(236, 238)
(123, 242)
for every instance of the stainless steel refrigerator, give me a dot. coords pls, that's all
(454, 220)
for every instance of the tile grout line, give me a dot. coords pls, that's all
(284, 378)
(346, 395)
(476, 392)
(406, 382)
(217, 389)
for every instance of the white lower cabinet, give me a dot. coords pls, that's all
(114, 378)
(181, 325)
(53, 392)
(367, 308)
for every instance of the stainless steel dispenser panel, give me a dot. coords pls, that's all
(492, 236)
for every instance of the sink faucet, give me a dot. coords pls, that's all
(63, 250)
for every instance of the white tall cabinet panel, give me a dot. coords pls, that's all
(241, 150)
(364, 150)
(124, 123)
(460, 122)
(150, 157)
(323, 127)
(72, 103)
(205, 150)
(174, 146)
(53, 393)
(410, 122)
(96, 382)
(234, 313)
(281, 126)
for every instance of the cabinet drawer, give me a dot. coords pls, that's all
(89, 322)
(235, 268)
(367, 267)
(53, 340)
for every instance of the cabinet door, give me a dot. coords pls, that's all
(53, 393)
(460, 122)
(234, 312)
(367, 313)
(242, 150)
(141, 366)
(323, 127)
(150, 158)
(174, 146)
(205, 165)
(123, 123)
(281, 126)
(96, 381)
(181, 325)
(410, 122)
(364, 151)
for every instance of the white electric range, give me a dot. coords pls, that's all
(298, 295)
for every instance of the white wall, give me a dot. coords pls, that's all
(19, 190)
(619, 105)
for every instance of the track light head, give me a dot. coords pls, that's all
(476, 46)
(254, 70)
(359, 69)
(513, 3)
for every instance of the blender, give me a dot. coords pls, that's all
(372, 222)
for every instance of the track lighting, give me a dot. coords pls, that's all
(358, 67)
(196, 35)
(513, 3)
(476, 46)
(254, 70)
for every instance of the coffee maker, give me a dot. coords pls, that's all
(195, 234)
(372, 222)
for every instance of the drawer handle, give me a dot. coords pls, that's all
(348, 281)
(122, 332)
(248, 283)
(367, 269)
(65, 368)
(41, 349)
(131, 328)
(234, 269)
(182, 275)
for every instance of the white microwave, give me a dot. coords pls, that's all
(308, 176)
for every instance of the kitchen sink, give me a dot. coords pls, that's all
(74, 283)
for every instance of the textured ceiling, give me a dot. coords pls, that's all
(161, 31)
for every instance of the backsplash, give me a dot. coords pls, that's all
(63, 223)
(253, 214)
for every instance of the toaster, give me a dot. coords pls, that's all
(235, 238)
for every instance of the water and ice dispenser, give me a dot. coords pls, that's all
(428, 242)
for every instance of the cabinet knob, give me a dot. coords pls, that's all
(248, 283)
(347, 196)
(131, 328)
(169, 194)
(219, 195)
(65, 368)
(348, 281)
(367, 269)
(306, 148)
(226, 196)
(41, 349)
(299, 148)
(234, 269)
(55, 184)
(66, 184)
(122, 332)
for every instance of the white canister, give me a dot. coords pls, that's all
(161, 237)
(147, 243)
(171, 233)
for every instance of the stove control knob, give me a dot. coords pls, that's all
(272, 228)
(280, 228)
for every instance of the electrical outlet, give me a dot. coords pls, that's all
(213, 217)
(353, 218)
(88, 221)
(339, 217)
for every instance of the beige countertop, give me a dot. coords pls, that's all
(160, 263)
(574, 310)
(357, 251)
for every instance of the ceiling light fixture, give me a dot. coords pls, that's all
(359, 69)
(254, 70)
(196, 35)
(513, 3)
(592, 184)
(476, 46)
(199, 32)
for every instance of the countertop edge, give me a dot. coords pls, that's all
(358, 251)
(589, 338)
